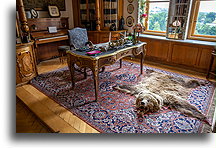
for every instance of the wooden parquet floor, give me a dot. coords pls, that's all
(27, 122)
(44, 115)
(54, 116)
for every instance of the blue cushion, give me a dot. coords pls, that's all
(78, 37)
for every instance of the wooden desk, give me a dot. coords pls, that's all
(105, 59)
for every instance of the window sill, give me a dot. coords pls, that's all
(202, 38)
(154, 33)
(208, 43)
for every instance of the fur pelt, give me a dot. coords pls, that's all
(158, 89)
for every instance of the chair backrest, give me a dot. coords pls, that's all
(78, 37)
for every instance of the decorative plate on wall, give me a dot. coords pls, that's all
(130, 8)
(129, 21)
(130, 1)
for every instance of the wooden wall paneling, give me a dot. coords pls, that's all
(170, 51)
(204, 58)
(157, 49)
(184, 54)
(147, 45)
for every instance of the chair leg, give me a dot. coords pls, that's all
(60, 56)
(210, 66)
(120, 63)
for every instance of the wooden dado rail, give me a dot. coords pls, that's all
(191, 54)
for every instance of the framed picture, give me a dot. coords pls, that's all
(130, 8)
(34, 13)
(129, 21)
(54, 11)
(130, 1)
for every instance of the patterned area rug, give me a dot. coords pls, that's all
(114, 112)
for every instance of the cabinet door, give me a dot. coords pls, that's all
(184, 54)
(156, 49)
(87, 14)
(25, 65)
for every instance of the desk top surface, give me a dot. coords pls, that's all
(104, 54)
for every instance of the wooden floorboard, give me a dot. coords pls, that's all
(27, 122)
(54, 116)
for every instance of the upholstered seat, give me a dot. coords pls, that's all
(77, 39)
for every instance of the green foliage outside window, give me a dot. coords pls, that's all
(206, 23)
(158, 21)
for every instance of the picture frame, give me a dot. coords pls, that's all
(130, 8)
(33, 13)
(129, 21)
(53, 11)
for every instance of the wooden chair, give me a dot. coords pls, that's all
(213, 54)
(78, 38)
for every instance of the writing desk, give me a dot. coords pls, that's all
(96, 62)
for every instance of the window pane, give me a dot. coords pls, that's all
(206, 21)
(158, 13)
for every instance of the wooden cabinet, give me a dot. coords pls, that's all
(87, 14)
(25, 63)
(90, 13)
(103, 36)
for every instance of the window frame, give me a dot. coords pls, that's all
(192, 23)
(152, 32)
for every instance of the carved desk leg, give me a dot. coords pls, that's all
(95, 74)
(71, 68)
(85, 73)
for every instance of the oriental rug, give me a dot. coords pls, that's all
(115, 112)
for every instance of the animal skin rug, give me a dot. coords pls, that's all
(156, 90)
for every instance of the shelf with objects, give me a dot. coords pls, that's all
(87, 14)
(178, 19)
(99, 17)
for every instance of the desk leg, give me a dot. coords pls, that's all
(85, 73)
(141, 62)
(95, 74)
(71, 68)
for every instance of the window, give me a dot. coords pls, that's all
(203, 20)
(156, 15)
